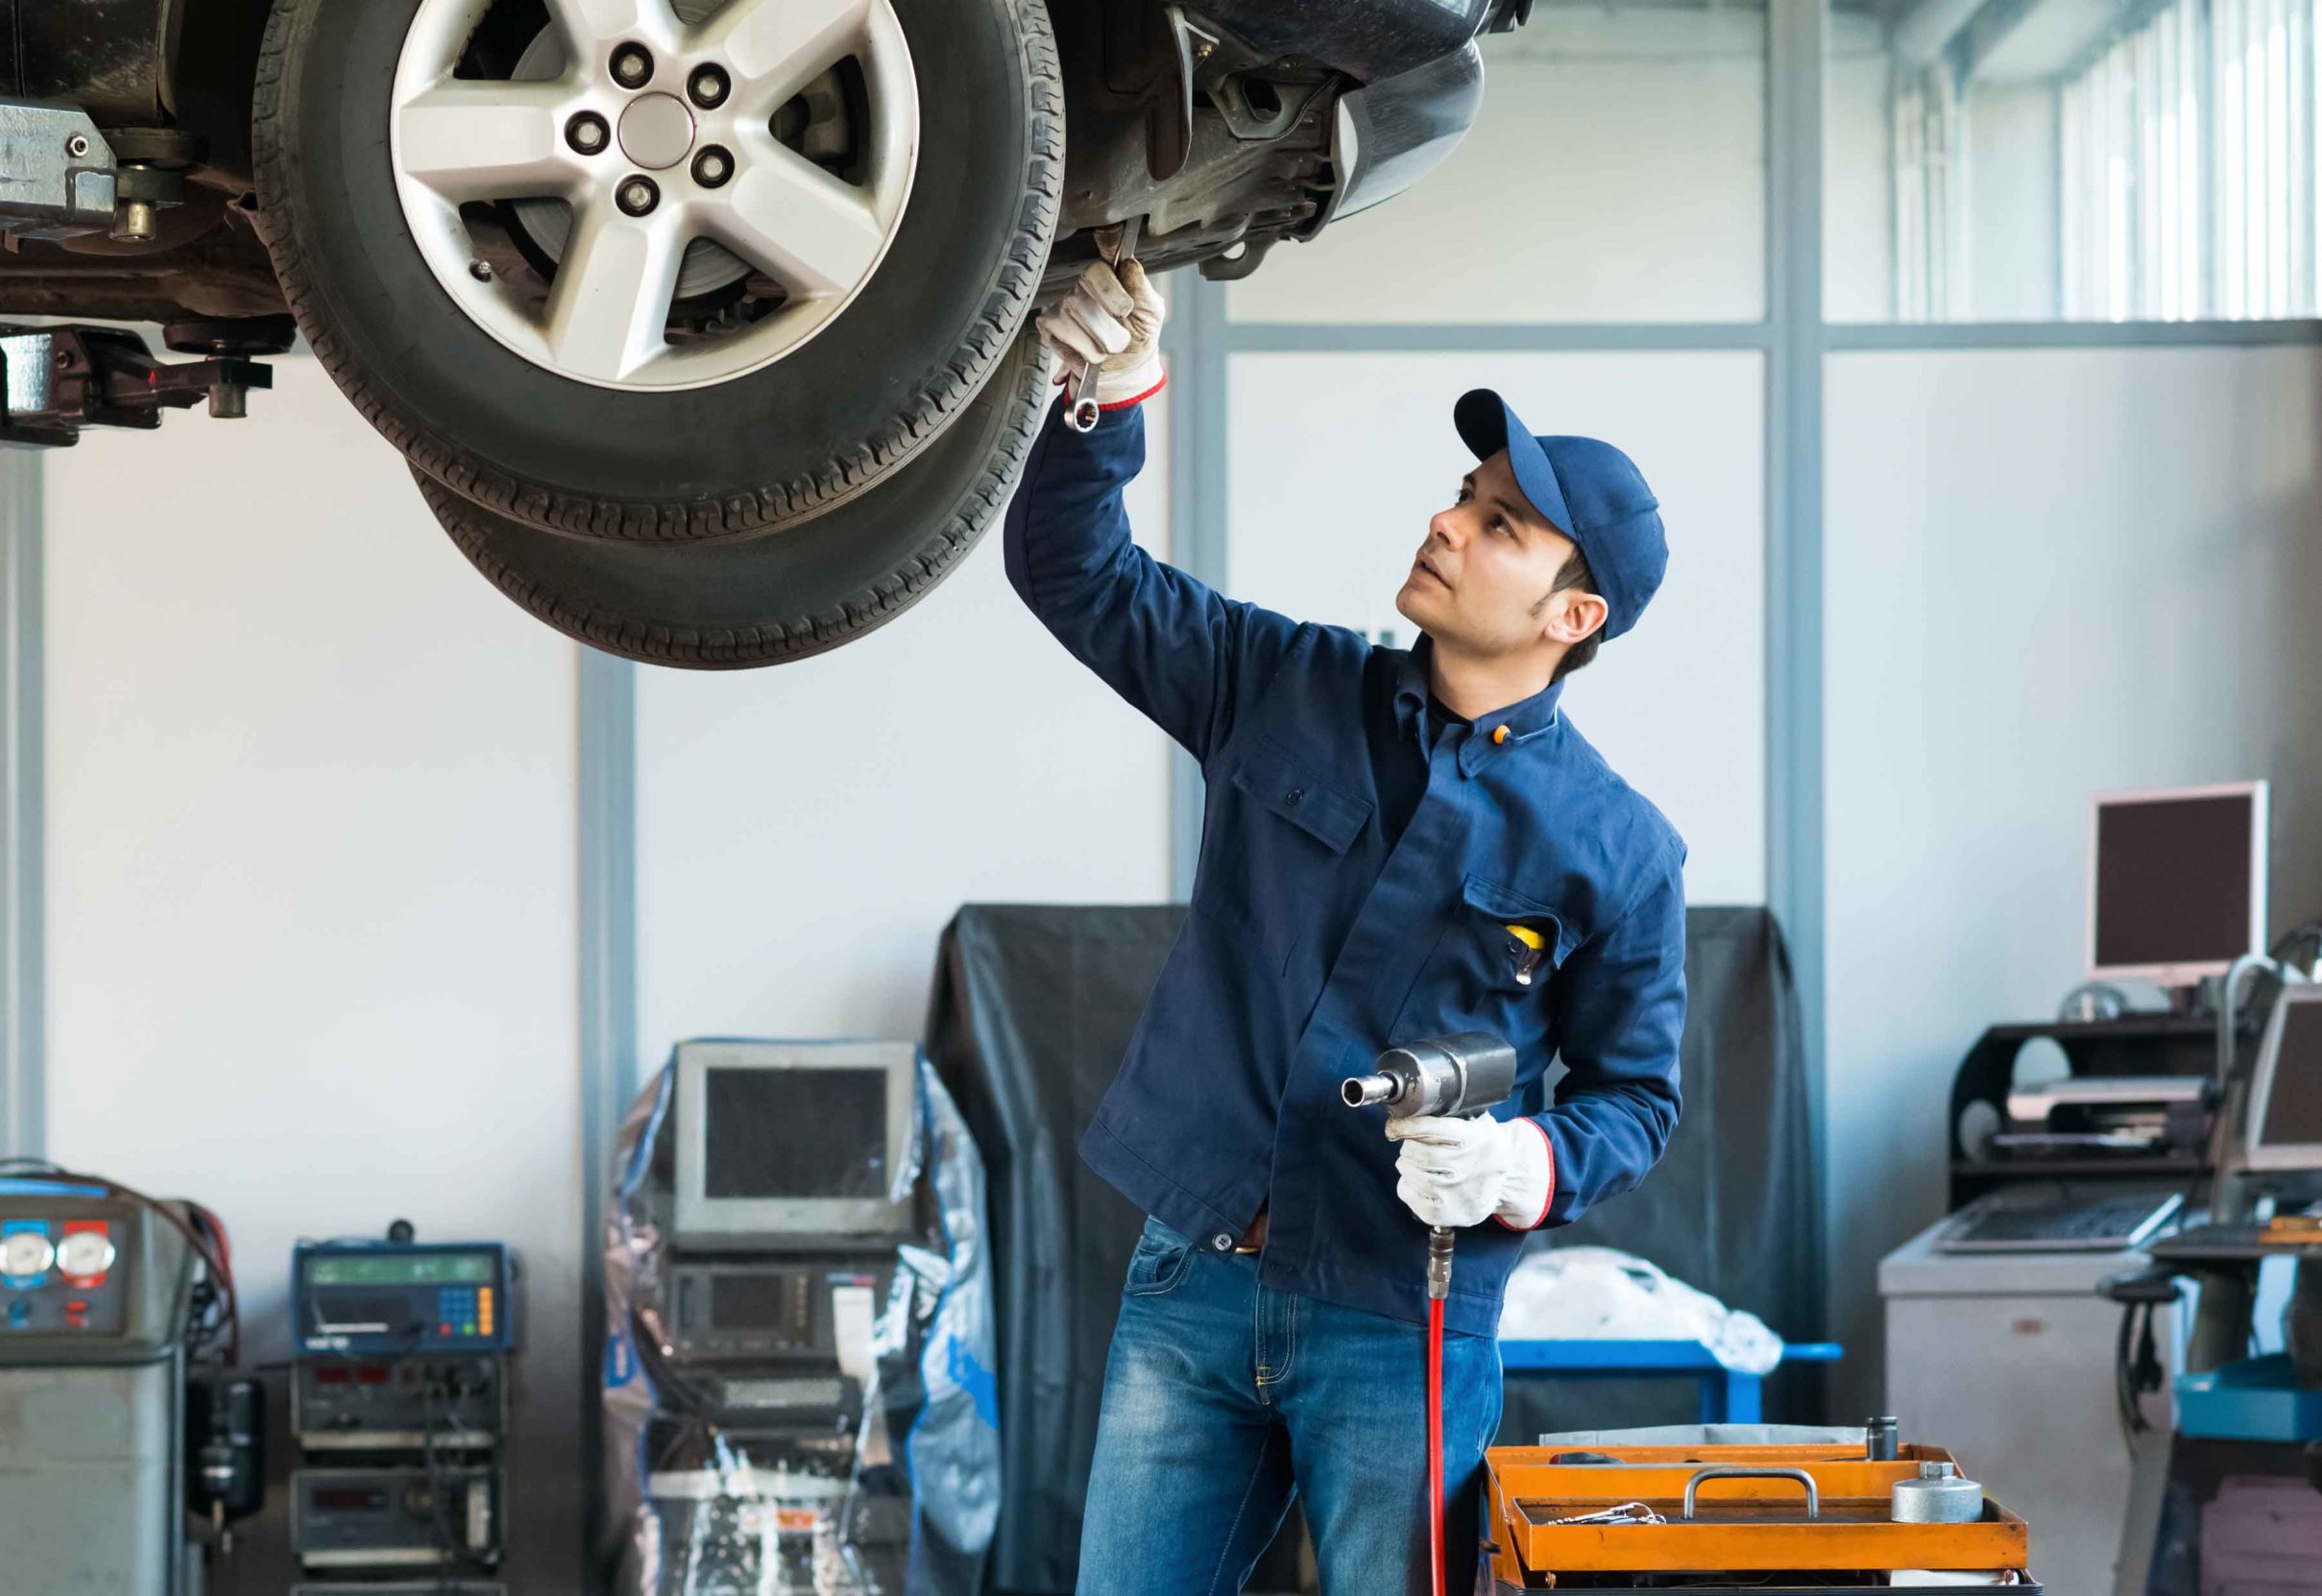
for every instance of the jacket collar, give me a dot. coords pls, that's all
(1500, 730)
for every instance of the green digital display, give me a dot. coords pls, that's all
(419, 1268)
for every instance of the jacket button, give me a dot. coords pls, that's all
(1499, 735)
(1221, 1242)
(1293, 796)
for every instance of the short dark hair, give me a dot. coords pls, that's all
(1575, 574)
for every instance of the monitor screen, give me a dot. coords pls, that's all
(794, 1133)
(2293, 1100)
(2174, 882)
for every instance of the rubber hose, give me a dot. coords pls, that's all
(1434, 1445)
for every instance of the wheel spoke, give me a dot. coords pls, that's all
(609, 307)
(774, 48)
(795, 222)
(478, 140)
(589, 23)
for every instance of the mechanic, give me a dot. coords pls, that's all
(1396, 844)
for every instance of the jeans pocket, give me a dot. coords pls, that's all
(1159, 1262)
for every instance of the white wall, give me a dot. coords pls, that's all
(1338, 460)
(2047, 574)
(310, 874)
(805, 834)
(1616, 172)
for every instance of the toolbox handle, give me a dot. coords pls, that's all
(1735, 1472)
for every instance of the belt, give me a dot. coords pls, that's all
(1254, 1240)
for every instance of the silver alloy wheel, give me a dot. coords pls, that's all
(456, 140)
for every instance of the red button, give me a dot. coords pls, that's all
(443, 1329)
(76, 1307)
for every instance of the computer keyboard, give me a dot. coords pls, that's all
(2005, 1223)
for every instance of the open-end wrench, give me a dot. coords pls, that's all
(1083, 416)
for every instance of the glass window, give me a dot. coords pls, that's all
(1616, 172)
(2068, 159)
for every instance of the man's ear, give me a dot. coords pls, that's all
(1573, 616)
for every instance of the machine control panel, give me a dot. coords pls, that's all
(394, 1517)
(779, 1312)
(378, 1404)
(64, 1276)
(392, 1297)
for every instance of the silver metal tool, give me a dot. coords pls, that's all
(1628, 1512)
(1083, 416)
(1460, 1075)
(1938, 1496)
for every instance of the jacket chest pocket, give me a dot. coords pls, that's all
(1500, 951)
(1285, 836)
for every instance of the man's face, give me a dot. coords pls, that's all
(1488, 562)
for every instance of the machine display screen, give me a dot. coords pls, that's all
(2293, 1102)
(419, 1268)
(2173, 881)
(794, 1133)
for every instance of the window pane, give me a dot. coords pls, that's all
(2070, 159)
(1616, 172)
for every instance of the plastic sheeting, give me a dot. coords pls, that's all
(1596, 1293)
(907, 1502)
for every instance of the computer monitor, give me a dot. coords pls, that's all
(2176, 882)
(781, 1144)
(2285, 1125)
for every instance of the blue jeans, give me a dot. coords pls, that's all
(1223, 1399)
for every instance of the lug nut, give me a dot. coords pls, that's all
(588, 133)
(638, 196)
(709, 86)
(712, 167)
(480, 270)
(632, 66)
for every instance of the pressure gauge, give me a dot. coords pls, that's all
(25, 1252)
(85, 1253)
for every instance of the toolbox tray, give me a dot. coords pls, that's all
(1742, 1525)
(2025, 1587)
(1852, 1533)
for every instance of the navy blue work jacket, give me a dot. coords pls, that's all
(1314, 942)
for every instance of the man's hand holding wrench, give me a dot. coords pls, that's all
(1107, 330)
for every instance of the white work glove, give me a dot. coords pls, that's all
(1459, 1173)
(1112, 318)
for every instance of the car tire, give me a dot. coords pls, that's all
(783, 595)
(871, 386)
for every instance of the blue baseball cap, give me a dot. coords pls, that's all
(1588, 491)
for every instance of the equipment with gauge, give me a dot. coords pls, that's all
(385, 1297)
(399, 1402)
(128, 1447)
(406, 1517)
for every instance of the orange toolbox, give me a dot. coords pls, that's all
(1772, 1520)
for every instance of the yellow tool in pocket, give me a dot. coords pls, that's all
(1530, 947)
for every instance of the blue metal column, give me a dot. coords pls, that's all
(1195, 341)
(1794, 840)
(23, 1110)
(607, 958)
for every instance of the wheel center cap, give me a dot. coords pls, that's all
(656, 130)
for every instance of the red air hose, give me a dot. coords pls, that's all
(1434, 1445)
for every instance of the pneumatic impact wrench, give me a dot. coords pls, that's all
(1459, 1076)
